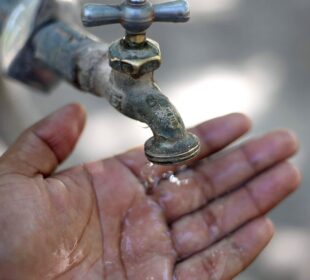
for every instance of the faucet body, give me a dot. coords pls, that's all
(123, 73)
(141, 99)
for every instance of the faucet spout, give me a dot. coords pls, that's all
(141, 99)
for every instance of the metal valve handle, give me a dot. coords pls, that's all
(136, 16)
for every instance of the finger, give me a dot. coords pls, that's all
(214, 135)
(147, 249)
(198, 231)
(213, 178)
(45, 145)
(230, 256)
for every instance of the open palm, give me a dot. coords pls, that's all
(95, 221)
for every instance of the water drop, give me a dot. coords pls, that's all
(149, 176)
(152, 175)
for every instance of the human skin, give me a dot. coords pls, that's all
(95, 221)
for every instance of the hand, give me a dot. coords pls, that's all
(95, 221)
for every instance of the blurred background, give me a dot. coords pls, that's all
(235, 55)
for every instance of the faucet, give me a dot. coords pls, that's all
(49, 49)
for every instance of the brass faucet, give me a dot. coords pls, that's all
(122, 72)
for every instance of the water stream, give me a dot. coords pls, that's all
(152, 175)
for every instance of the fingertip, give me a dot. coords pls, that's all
(75, 111)
(295, 175)
(290, 138)
(261, 231)
(241, 120)
(298, 176)
(78, 112)
(269, 225)
(62, 129)
(220, 132)
(79, 108)
(294, 139)
(265, 231)
(47, 143)
(235, 123)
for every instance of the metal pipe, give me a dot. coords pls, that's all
(70, 52)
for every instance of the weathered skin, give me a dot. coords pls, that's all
(95, 221)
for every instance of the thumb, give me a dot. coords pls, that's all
(41, 148)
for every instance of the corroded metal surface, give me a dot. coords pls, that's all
(135, 55)
(132, 88)
(141, 99)
(60, 47)
(135, 59)
(135, 16)
(57, 49)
